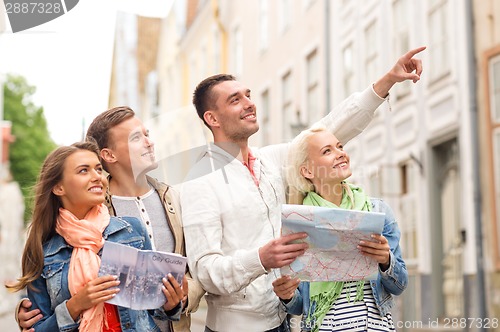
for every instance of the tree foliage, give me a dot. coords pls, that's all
(32, 140)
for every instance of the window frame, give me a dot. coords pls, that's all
(285, 15)
(439, 40)
(408, 197)
(264, 24)
(237, 50)
(401, 28)
(287, 102)
(265, 116)
(371, 59)
(348, 69)
(492, 129)
(312, 82)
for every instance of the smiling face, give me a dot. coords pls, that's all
(327, 162)
(83, 184)
(234, 115)
(131, 147)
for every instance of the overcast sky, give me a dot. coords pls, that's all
(68, 60)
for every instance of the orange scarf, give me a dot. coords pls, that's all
(86, 238)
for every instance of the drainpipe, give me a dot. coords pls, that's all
(327, 56)
(469, 20)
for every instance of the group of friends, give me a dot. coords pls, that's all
(229, 226)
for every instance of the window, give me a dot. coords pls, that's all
(401, 40)
(495, 89)
(496, 156)
(264, 24)
(238, 51)
(265, 118)
(439, 39)
(434, 3)
(371, 53)
(203, 61)
(313, 96)
(348, 66)
(169, 99)
(217, 48)
(408, 212)
(286, 102)
(496, 163)
(193, 72)
(152, 93)
(285, 14)
(374, 184)
(494, 132)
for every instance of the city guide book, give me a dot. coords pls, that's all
(140, 273)
(333, 237)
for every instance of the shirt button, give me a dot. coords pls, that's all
(127, 325)
(150, 236)
(143, 210)
(147, 222)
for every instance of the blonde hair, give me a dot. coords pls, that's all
(297, 157)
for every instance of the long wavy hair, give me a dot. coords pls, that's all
(45, 212)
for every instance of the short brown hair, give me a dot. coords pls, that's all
(203, 97)
(99, 128)
(98, 131)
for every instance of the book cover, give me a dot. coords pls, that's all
(140, 273)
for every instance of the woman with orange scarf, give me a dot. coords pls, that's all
(61, 258)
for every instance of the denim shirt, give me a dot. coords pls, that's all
(52, 285)
(391, 282)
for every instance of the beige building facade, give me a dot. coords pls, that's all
(133, 77)
(417, 153)
(487, 53)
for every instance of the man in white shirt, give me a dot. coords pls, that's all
(231, 203)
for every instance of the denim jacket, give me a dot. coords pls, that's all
(391, 282)
(52, 286)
